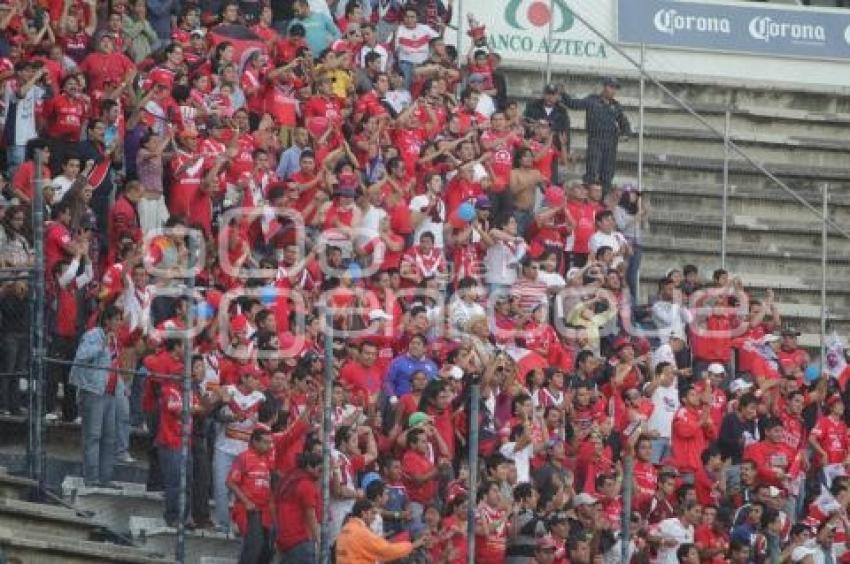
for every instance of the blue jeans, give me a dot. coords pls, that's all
(304, 553)
(633, 270)
(14, 357)
(222, 462)
(169, 463)
(660, 449)
(15, 155)
(523, 221)
(122, 422)
(137, 416)
(99, 435)
(406, 69)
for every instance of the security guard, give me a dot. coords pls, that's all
(606, 123)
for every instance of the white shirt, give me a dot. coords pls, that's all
(399, 100)
(24, 112)
(61, 185)
(370, 224)
(669, 316)
(615, 240)
(412, 44)
(419, 202)
(551, 279)
(486, 106)
(666, 402)
(664, 353)
(478, 173)
(674, 529)
(460, 312)
(522, 459)
(320, 6)
(379, 49)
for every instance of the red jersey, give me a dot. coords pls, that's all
(251, 471)
(64, 117)
(187, 197)
(360, 377)
(584, 214)
(645, 482)
(707, 538)
(832, 436)
(772, 457)
(101, 68)
(297, 494)
(414, 463)
(490, 549)
(57, 235)
(169, 432)
(689, 439)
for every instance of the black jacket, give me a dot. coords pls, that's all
(606, 121)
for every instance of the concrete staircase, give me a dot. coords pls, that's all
(50, 533)
(773, 240)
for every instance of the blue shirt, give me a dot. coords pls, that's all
(319, 31)
(290, 162)
(400, 372)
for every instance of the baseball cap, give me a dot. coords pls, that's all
(611, 81)
(801, 552)
(482, 202)
(770, 338)
(377, 314)
(716, 368)
(369, 478)
(585, 499)
(739, 384)
(417, 419)
(550, 89)
(790, 332)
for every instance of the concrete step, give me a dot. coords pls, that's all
(661, 252)
(153, 534)
(114, 506)
(49, 519)
(32, 547)
(699, 92)
(765, 148)
(778, 206)
(15, 487)
(745, 230)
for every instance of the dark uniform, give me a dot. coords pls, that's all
(606, 122)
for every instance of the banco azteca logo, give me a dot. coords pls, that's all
(527, 14)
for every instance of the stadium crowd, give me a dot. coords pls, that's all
(307, 157)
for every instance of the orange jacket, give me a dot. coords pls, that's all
(357, 544)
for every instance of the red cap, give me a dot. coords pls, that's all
(340, 46)
(622, 342)
(239, 323)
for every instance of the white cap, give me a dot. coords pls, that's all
(456, 372)
(377, 314)
(799, 553)
(716, 368)
(739, 384)
(585, 499)
(770, 338)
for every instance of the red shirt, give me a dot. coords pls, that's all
(646, 482)
(360, 377)
(490, 549)
(584, 214)
(251, 471)
(64, 117)
(101, 68)
(707, 538)
(298, 494)
(689, 439)
(831, 435)
(707, 488)
(414, 463)
(770, 457)
(55, 239)
(169, 433)
(24, 179)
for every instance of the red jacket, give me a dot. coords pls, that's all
(123, 221)
(689, 439)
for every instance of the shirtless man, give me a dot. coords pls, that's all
(524, 181)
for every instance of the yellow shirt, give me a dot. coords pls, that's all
(341, 80)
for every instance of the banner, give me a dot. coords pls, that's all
(815, 33)
(518, 30)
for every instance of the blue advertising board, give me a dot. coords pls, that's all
(742, 27)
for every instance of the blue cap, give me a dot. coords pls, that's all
(369, 478)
